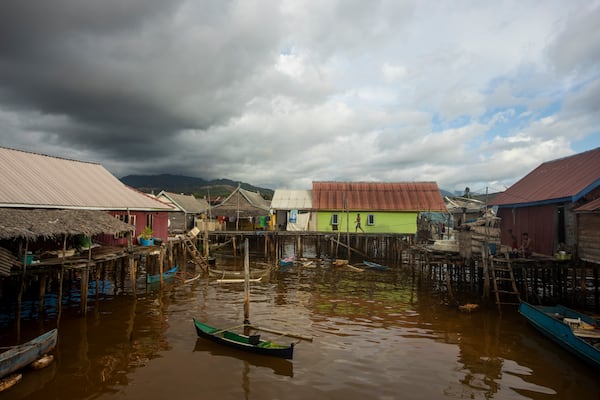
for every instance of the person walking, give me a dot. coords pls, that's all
(357, 227)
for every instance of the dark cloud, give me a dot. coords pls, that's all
(282, 93)
(123, 70)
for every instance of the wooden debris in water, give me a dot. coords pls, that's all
(42, 362)
(339, 263)
(469, 307)
(10, 381)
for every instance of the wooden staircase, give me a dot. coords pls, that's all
(505, 287)
(193, 250)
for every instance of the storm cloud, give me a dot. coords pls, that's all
(281, 93)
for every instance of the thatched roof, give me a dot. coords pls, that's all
(243, 203)
(49, 224)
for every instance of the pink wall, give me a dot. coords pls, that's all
(159, 226)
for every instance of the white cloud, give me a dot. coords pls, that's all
(282, 93)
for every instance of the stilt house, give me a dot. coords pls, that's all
(544, 202)
(186, 209)
(49, 203)
(292, 210)
(383, 207)
(243, 210)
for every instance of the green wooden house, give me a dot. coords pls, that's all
(382, 207)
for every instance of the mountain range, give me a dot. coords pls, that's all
(202, 187)
(190, 185)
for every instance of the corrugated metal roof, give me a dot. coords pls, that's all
(378, 196)
(185, 202)
(564, 179)
(284, 199)
(591, 206)
(33, 180)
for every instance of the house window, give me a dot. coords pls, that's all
(128, 219)
(334, 222)
(150, 221)
(370, 219)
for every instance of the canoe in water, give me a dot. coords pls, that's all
(251, 343)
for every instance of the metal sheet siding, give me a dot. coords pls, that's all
(35, 180)
(376, 196)
(539, 222)
(564, 179)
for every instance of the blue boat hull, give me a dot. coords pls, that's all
(22, 355)
(166, 275)
(550, 321)
(373, 265)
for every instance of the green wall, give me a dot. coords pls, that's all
(385, 222)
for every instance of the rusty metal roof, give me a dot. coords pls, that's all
(378, 196)
(562, 180)
(30, 180)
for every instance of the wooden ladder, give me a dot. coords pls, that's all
(502, 272)
(193, 251)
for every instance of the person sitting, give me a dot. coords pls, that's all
(526, 246)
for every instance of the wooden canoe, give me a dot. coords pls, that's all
(24, 354)
(166, 275)
(287, 262)
(574, 331)
(229, 274)
(251, 343)
(374, 265)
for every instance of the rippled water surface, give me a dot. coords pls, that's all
(376, 335)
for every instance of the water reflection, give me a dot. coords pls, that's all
(376, 335)
(277, 365)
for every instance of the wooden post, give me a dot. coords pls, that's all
(161, 266)
(206, 247)
(22, 289)
(85, 277)
(42, 293)
(486, 276)
(132, 273)
(246, 283)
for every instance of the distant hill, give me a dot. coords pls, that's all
(446, 193)
(189, 185)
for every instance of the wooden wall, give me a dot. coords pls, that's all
(588, 248)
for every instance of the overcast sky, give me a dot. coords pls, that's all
(282, 93)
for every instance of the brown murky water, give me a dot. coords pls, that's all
(377, 335)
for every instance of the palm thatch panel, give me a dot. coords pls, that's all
(51, 224)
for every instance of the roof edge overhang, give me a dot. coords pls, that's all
(537, 203)
(93, 208)
(592, 186)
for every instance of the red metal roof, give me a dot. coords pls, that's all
(566, 179)
(378, 196)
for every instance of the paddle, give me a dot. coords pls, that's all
(294, 335)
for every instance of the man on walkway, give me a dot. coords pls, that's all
(358, 224)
